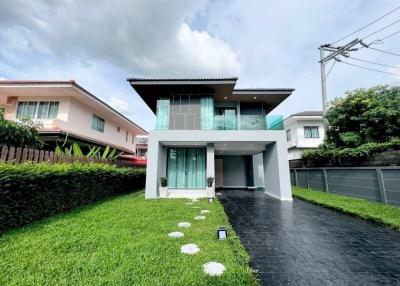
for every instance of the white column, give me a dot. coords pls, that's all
(276, 171)
(210, 161)
(153, 161)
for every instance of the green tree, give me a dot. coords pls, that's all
(364, 116)
(19, 134)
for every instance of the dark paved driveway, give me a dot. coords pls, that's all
(302, 244)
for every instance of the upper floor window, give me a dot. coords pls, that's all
(133, 139)
(37, 110)
(118, 129)
(311, 132)
(98, 123)
(288, 135)
(126, 136)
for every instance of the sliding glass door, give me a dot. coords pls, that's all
(186, 168)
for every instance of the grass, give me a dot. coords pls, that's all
(382, 214)
(123, 241)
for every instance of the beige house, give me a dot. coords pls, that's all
(68, 113)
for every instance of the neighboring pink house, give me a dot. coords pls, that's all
(69, 113)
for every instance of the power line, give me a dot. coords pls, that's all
(391, 35)
(383, 51)
(369, 24)
(362, 67)
(381, 29)
(374, 63)
(333, 64)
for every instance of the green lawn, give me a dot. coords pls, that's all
(123, 241)
(377, 212)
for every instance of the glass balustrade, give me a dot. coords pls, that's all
(248, 122)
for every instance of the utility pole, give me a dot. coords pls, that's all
(334, 52)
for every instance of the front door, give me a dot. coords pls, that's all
(219, 173)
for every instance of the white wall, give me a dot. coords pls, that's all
(298, 142)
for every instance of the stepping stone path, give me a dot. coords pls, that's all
(176, 234)
(214, 268)
(184, 224)
(190, 249)
(210, 268)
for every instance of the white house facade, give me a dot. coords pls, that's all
(304, 131)
(205, 128)
(67, 112)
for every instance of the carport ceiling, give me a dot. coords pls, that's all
(238, 148)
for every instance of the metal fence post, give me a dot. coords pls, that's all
(308, 183)
(326, 186)
(381, 184)
(296, 182)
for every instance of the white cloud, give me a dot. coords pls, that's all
(147, 38)
(120, 105)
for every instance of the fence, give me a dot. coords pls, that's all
(380, 184)
(20, 155)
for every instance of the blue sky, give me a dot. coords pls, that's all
(264, 43)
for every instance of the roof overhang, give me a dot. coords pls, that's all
(220, 88)
(150, 89)
(26, 88)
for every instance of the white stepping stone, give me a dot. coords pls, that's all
(214, 268)
(190, 249)
(199, 217)
(184, 224)
(205, 211)
(176, 234)
(195, 200)
(189, 203)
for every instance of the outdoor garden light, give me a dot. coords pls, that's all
(210, 200)
(222, 233)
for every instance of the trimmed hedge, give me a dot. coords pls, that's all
(33, 191)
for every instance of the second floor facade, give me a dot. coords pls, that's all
(210, 104)
(304, 130)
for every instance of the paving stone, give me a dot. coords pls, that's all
(303, 244)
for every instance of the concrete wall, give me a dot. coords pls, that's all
(258, 170)
(234, 171)
(374, 184)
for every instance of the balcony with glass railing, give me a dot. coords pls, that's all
(248, 122)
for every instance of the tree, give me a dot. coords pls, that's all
(364, 116)
(19, 134)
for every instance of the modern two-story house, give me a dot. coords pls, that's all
(207, 128)
(67, 113)
(304, 131)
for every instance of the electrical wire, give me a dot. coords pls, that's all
(333, 64)
(383, 51)
(374, 63)
(391, 35)
(369, 24)
(362, 67)
(381, 29)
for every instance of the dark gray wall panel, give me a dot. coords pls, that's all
(391, 179)
(292, 178)
(234, 170)
(354, 182)
(302, 178)
(316, 180)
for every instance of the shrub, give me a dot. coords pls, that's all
(29, 192)
(19, 134)
(334, 155)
